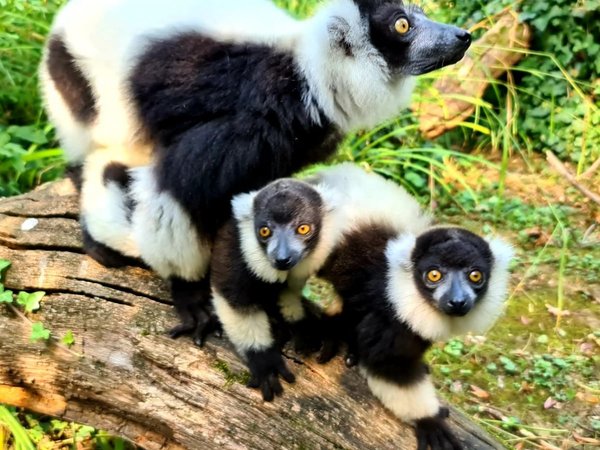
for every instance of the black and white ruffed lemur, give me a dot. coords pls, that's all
(223, 96)
(262, 257)
(405, 284)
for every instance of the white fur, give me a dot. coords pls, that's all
(75, 138)
(253, 254)
(103, 207)
(355, 91)
(247, 330)
(363, 198)
(412, 402)
(424, 318)
(290, 305)
(167, 238)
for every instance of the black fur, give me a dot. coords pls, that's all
(227, 118)
(378, 340)
(244, 291)
(192, 303)
(265, 368)
(117, 172)
(358, 270)
(75, 174)
(435, 434)
(70, 82)
(234, 281)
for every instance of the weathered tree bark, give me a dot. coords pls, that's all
(126, 376)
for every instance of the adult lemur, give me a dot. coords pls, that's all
(405, 284)
(225, 95)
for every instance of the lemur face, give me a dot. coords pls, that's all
(410, 42)
(287, 221)
(451, 268)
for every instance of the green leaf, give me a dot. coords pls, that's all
(6, 297)
(84, 432)
(509, 366)
(29, 134)
(39, 333)
(31, 302)
(4, 264)
(491, 367)
(68, 339)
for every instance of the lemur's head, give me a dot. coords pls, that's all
(451, 269)
(287, 221)
(360, 57)
(410, 43)
(448, 281)
(280, 225)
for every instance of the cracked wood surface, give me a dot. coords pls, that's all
(126, 376)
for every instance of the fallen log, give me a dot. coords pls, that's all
(124, 375)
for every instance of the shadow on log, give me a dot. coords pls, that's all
(124, 375)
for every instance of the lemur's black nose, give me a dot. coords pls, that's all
(458, 303)
(283, 263)
(463, 35)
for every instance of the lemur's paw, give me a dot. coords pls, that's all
(205, 329)
(329, 349)
(183, 329)
(435, 434)
(266, 367)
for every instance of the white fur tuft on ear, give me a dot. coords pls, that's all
(242, 205)
(398, 251)
(425, 319)
(503, 252)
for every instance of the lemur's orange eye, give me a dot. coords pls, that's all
(402, 26)
(264, 232)
(475, 276)
(434, 276)
(303, 229)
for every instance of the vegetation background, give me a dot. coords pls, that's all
(533, 380)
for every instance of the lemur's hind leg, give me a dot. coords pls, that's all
(106, 208)
(105, 255)
(194, 308)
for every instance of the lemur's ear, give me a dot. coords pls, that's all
(503, 252)
(242, 206)
(399, 252)
(338, 30)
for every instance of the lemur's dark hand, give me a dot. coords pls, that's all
(265, 368)
(307, 336)
(435, 434)
(199, 324)
(192, 303)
